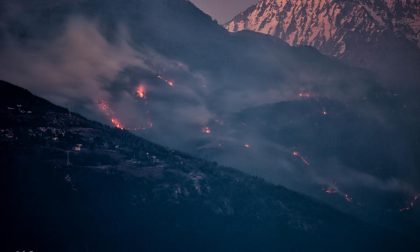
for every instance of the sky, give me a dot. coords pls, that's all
(223, 10)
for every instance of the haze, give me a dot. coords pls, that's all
(223, 10)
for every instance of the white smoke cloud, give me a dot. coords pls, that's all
(77, 64)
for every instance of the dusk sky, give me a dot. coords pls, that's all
(223, 10)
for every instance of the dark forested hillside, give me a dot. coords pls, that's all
(70, 184)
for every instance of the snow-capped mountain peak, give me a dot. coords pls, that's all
(329, 24)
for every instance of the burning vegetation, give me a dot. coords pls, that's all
(141, 91)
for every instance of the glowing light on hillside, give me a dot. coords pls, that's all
(117, 123)
(141, 91)
(304, 94)
(330, 190)
(206, 130)
(113, 118)
(170, 83)
(105, 108)
(298, 155)
(248, 146)
(333, 189)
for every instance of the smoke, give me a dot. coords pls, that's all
(80, 67)
(75, 66)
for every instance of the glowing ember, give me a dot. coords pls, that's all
(171, 83)
(113, 118)
(304, 94)
(324, 112)
(298, 155)
(141, 91)
(333, 189)
(248, 146)
(117, 123)
(206, 130)
(330, 190)
(104, 107)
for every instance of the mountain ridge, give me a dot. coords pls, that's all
(355, 31)
(122, 183)
(393, 15)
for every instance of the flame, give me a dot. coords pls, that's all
(109, 113)
(304, 94)
(248, 146)
(141, 91)
(105, 108)
(333, 189)
(206, 130)
(117, 123)
(330, 190)
(298, 155)
(324, 112)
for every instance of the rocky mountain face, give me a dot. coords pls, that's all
(71, 184)
(356, 31)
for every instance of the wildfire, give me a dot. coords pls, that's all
(104, 107)
(141, 92)
(117, 123)
(330, 190)
(206, 130)
(333, 189)
(324, 112)
(113, 118)
(171, 83)
(248, 146)
(298, 155)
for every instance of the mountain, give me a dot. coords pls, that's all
(71, 184)
(378, 35)
(345, 158)
(167, 72)
(89, 53)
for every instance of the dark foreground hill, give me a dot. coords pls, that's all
(71, 184)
